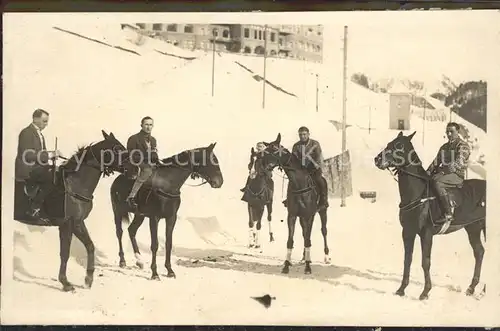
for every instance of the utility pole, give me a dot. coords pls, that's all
(423, 123)
(265, 58)
(369, 120)
(317, 91)
(213, 60)
(344, 99)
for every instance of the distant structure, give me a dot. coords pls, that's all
(399, 112)
(302, 42)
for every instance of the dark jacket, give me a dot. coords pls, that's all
(309, 154)
(452, 157)
(136, 145)
(29, 143)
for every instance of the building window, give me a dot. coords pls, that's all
(273, 37)
(215, 32)
(246, 33)
(260, 35)
(225, 34)
(157, 26)
(188, 29)
(255, 34)
(172, 27)
(202, 31)
(280, 41)
(141, 25)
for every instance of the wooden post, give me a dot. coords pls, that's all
(213, 61)
(265, 58)
(344, 100)
(317, 91)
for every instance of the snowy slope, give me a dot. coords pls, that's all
(73, 75)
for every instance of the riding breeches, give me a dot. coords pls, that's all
(443, 181)
(145, 172)
(320, 182)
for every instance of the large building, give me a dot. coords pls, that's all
(303, 42)
(399, 112)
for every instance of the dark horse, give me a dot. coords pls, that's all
(258, 194)
(302, 200)
(70, 202)
(159, 198)
(419, 210)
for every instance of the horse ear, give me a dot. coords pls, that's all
(112, 135)
(400, 134)
(104, 134)
(411, 136)
(278, 139)
(252, 151)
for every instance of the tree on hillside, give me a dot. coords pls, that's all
(468, 100)
(361, 79)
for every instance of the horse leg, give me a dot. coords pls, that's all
(132, 232)
(306, 224)
(474, 233)
(119, 233)
(169, 229)
(324, 218)
(409, 243)
(251, 231)
(153, 228)
(426, 237)
(65, 236)
(269, 219)
(260, 213)
(289, 243)
(82, 234)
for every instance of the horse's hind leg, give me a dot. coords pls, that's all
(169, 229)
(251, 222)
(132, 232)
(260, 213)
(82, 234)
(324, 219)
(474, 233)
(153, 228)
(65, 236)
(289, 243)
(269, 219)
(306, 225)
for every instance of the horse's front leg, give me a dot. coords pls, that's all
(251, 230)
(132, 232)
(153, 228)
(306, 224)
(65, 236)
(82, 234)
(289, 243)
(169, 229)
(426, 237)
(409, 235)
(474, 234)
(269, 207)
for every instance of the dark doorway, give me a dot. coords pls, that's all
(401, 124)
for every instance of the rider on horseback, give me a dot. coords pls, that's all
(309, 153)
(258, 166)
(143, 153)
(448, 167)
(32, 161)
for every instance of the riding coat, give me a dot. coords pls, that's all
(31, 143)
(309, 153)
(142, 149)
(452, 157)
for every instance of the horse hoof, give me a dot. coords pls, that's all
(68, 288)
(271, 238)
(257, 246)
(285, 270)
(171, 275)
(400, 293)
(328, 260)
(155, 277)
(469, 292)
(139, 264)
(423, 296)
(307, 271)
(123, 264)
(88, 281)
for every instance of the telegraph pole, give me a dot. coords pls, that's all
(265, 58)
(369, 120)
(423, 123)
(213, 61)
(317, 97)
(344, 100)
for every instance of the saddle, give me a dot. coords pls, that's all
(468, 201)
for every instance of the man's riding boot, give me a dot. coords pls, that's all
(37, 202)
(143, 176)
(444, 200)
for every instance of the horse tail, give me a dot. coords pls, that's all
(119, 211)
(484, 232)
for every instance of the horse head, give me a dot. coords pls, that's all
(112, 155)
(251, 164)
(398, 153)
(205, 164)
(275, 154)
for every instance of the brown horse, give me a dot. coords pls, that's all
(302, 200)
(419, 210)
(258, 194)
(70, 202)
(159, 198)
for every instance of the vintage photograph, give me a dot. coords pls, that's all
(190, 171)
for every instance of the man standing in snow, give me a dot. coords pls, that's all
(309, 153)
(449, 166)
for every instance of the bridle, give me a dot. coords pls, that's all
(192, 169)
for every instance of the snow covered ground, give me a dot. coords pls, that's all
(89, 86)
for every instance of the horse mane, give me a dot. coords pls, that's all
(73, 160)
(172, 160)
